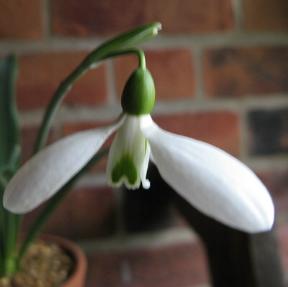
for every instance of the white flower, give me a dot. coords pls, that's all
(213, 181)
(129, 156)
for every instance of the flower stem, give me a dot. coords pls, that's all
(13, 222)
(9, 160)
(9, 231)
(123, 41)
(139, 53)
(2, 228)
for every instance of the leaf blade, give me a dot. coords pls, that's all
(9, 126)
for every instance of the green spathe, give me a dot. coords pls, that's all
(138, 97)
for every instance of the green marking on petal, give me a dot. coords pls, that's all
(125, 168)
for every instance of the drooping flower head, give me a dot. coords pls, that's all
(210, 179)
(130, 151)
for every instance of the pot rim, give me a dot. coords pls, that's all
(80, 261)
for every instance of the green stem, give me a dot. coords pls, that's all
(53, 204)
(10, 159)
(142, 60)
(15, 153)
(139, 53)
(3, 182)
(2, 228)
(123, 41)
(9, 231)
(13, 222)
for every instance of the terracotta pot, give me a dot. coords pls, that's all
(78, 277)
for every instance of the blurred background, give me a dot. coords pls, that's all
(221, 73)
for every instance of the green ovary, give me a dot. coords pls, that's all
(125, 168)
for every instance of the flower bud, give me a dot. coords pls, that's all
(138, 97)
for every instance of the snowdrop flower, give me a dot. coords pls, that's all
(213, 181)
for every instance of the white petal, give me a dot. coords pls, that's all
(213, 181)
(144, 169)
(128, 156)
(51, 168)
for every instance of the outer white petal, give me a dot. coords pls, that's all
(51, 168)
(213, 181)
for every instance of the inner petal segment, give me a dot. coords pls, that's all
(125, 169)
(129, 156)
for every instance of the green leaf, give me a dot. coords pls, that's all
(9, 127)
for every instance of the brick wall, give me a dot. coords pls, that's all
(221, 75)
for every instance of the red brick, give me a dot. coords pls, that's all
(277, 183)
(70, 128)
(218, 128)
(282, 235)
(177, 265)
(238, 72)
(28, 137)
(104, 269)
(265, 15)
(172, 71)
(40, 75)
(88, 17)
(20, 19)
(85, 213)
